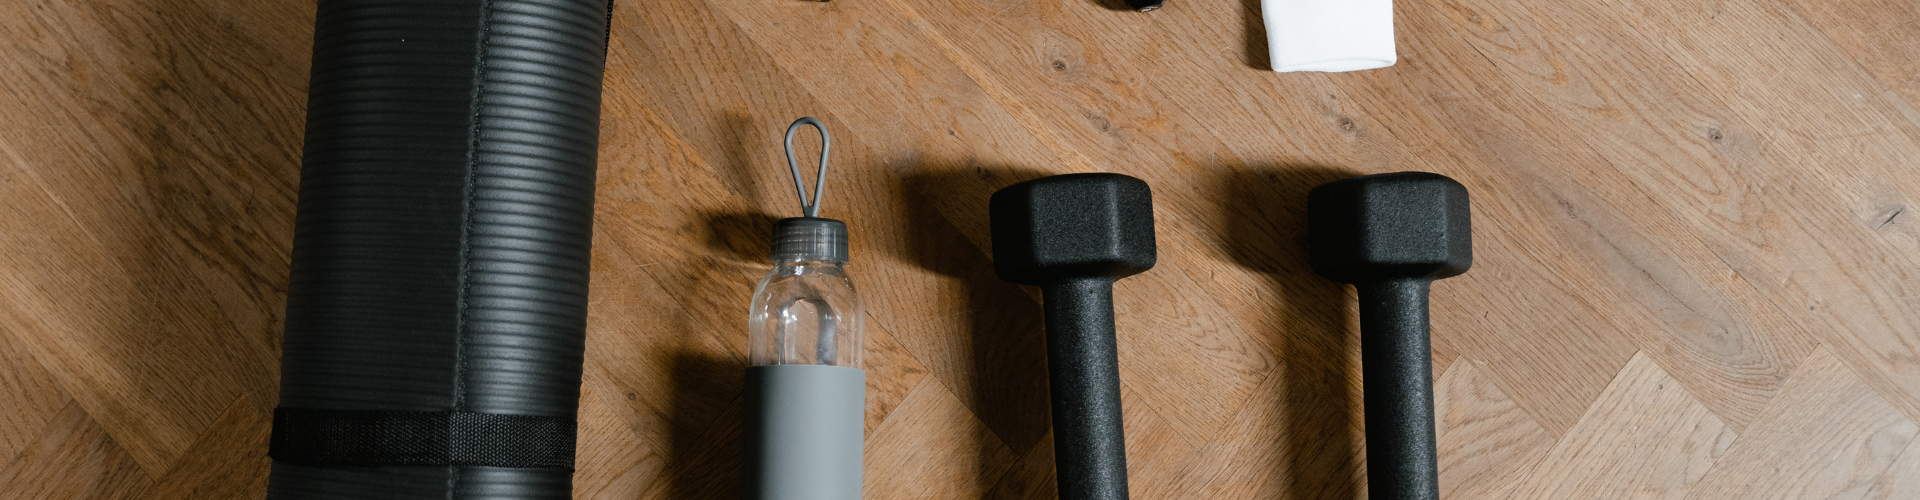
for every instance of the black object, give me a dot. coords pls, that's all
(358, 438)
(1145, 5)
(436, 309)
(1391, 235)
(1074, 235)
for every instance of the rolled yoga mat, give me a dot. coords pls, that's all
(437, 302)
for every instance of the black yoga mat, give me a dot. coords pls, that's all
(437, 303)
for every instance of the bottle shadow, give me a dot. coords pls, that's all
(707, 424)
(740, 236)
(1322, 428)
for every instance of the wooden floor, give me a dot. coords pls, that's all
(1696, 277)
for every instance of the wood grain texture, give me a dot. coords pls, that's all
(1698, 275)
(1645, 437)
(1487, 445)
(1844, 436)
(933, 448)
(74, 458)
(1902, 478)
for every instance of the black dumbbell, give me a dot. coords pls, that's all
(1074, 235)
(1145, 5)
(1391, 235)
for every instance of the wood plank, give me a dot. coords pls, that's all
(228, 461)
(932, 447)
(705, 464)
(29, 396)
(1902, 478)
(1728, 342)
(1646, 437)
(672, 377)
(150, 268)
(1877, 35)
(1487, 444)
(74, 458)
(1841, 137)
(156, 383)
(1301, 434)
(1827, 435)
(611, 459)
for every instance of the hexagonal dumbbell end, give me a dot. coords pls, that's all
(1073, 235)
(1072, 226)
(1391, 235)
(1390, 226)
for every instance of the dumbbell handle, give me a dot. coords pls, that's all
(1398, 367)
(1089, 446)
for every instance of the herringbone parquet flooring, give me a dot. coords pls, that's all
(1695, 274)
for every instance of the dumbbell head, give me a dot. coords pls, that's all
(1072, 226)
(1390, 226)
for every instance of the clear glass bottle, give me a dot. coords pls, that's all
(806, 392)
(805, 312)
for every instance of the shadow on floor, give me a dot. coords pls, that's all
(741, 236)
(1322, 434)
(704, 457)
(1003, 324)
(1254, 27)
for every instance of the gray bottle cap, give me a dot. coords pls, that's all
(809, 238)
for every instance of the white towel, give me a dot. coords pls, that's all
(1329, 35)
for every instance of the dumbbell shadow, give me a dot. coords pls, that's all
(1319, 430)
(1003, 365)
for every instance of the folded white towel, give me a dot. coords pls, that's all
(1329, 35)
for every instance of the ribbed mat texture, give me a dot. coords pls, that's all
(445, 219)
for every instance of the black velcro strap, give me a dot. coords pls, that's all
(375, 438)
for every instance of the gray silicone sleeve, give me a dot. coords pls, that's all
(805, 427)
